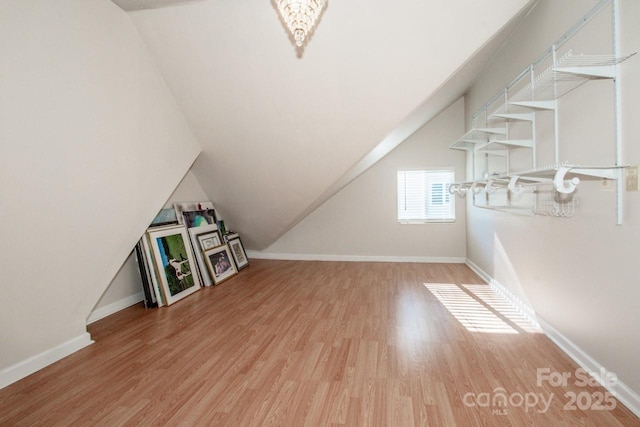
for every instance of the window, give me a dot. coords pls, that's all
(423, 196)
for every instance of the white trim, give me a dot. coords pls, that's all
(107, 310)
(621, 391)
(480, 272)
(353, 258)
(516, 303)
(525, 309)
(28, 366)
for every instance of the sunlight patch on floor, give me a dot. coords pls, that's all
(502, 306)
(474, 316)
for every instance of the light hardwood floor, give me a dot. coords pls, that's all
(290, 343)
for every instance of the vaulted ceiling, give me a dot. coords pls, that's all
(282, 131)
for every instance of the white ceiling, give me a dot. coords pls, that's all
(282, 132)
(129, 5)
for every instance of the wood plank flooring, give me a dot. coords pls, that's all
(291, 343)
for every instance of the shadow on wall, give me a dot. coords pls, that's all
(505, 279)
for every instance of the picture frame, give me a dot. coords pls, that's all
(230, 236)
(164, 217)
(209, 240)
(190, 206)
(175, 267)
(222, 228)
(195, 234)
(199, 218)
(220, 263)
(155, 285)
(239, 254)
(150, 300)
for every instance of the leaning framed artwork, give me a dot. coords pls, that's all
(219, 263)
(165, 217)
(152, 270)
(175, 266)
(201, 238)
(190, 206)
(209, 240)
(192, 219)
(238, 252)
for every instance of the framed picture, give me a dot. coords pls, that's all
(197, 236)
(230, 236)
(239, 255)
(221, 227)
(151, 266)
(149, 294)
(199, 218)
(164, 217)
(209, 240)
(219, 263)
(190, 206)
(175, 267)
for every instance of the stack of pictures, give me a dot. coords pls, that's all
(184, 249)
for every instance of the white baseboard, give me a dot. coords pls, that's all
(27, 367)
(114, 307)
(480, 272)
(497, 287)
(622, 392)
(353, 258)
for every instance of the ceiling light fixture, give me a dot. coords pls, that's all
(300, 16)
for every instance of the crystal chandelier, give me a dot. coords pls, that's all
(300, 16)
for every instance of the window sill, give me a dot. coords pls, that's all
(419, 221)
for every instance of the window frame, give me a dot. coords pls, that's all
(447, 197)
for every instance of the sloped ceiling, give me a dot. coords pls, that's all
(281, 132)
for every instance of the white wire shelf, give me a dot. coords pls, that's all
(503, 113)
(501, 145)
(549, 85)
(550, 189)
(573, 171)
(592, 66)
(511, 112)
(569, 72)
(563, 176)
(476, 136)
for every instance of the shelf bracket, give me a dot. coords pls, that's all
(536, 105)
(602, 71)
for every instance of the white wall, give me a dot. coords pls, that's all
(127, 283)
(361, 219)
(93, 144)
(580, 275)
(189, 190)
(280, 130)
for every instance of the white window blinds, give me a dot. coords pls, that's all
(423, 196)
